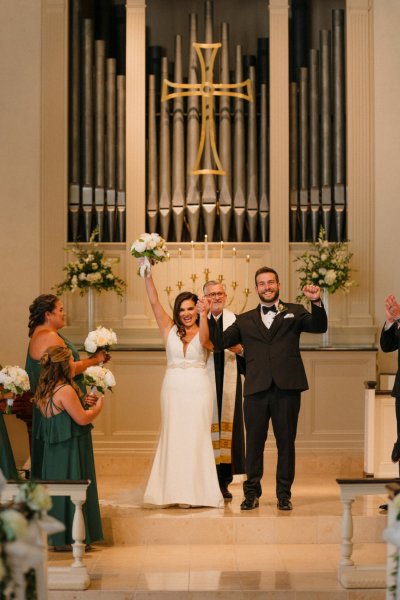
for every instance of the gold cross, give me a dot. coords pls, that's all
(207, 89)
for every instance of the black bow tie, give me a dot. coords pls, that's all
(267, 309)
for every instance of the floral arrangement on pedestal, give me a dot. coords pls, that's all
(16, 544)
(327, 266)
(149, 248)
(90, 270)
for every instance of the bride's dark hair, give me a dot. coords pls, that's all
(177, 306)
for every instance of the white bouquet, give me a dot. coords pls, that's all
(100, 338)
(150, 248)
(35, 496)
(100, 378)
(13, 379)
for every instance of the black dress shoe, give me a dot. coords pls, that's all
(396, 452)
(226, 494)
(249, 503)
(284, 504)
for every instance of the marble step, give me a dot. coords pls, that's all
(266, 525)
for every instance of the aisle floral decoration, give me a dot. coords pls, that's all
(90, 270)
(327, 266)
(100, 339)
(15, 380)
(31, 502)
(99, 379)
(149, 248)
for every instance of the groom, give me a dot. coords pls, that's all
(275, 376)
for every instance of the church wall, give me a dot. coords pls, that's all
(20, 49)
(387, 152)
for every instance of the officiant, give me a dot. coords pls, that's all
(225, 368)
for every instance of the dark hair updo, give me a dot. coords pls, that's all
(177, 306)
(38, 309)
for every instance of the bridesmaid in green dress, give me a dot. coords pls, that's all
(65, 432)
(7, 462)
(46, 318)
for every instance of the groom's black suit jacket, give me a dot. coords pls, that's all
(273, 355)
(390, 341)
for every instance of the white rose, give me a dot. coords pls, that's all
(82, 276)
(322, 271)
(110, 276)
(159, 252)
(90, 346)
(139, 246)
(14, 524)
(95, 266)
(109, 379)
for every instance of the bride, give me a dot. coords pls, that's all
(184, 470)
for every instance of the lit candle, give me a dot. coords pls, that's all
(206, 251)
(247, 271)
(180, 264)
(221, 259)
(168, 257)
(193, 266)
(234, 264)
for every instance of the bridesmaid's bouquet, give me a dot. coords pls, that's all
(150, 248)
(15, 380)
(99, 379)
(100, 339)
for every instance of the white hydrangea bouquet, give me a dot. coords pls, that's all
(328, 266)
(99, 379)
(15, 380)
(150, 248)
(90, 270)
(100, 338)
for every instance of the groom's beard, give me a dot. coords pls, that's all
(271, 299)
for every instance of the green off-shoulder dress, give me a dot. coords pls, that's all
(7, 462)
(63, 450)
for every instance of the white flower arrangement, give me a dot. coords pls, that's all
(100, 338)
(150, 248)
(327, 267)
(35, 496)
(100, 378)
(90, 270)
(31, 501)
(15, 380)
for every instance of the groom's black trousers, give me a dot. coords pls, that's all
(282, 408)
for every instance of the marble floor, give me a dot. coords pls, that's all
(227, 553)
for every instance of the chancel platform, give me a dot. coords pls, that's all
(210, 553)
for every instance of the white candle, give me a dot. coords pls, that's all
(206, 251)
(180, 264)
(168, 257)
(193, 265)
(221, 259)
(234, 264)
(247, 271)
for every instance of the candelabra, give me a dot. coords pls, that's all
(196, 285)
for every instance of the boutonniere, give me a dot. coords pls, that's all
(281, 308)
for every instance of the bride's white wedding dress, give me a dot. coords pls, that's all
(184, 470)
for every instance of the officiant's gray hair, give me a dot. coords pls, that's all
(212, 282)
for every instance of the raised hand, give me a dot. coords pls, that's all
(312, 292)
(203, 305)
(392, 308)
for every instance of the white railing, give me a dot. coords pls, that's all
(76, 576)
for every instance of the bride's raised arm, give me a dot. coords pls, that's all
(163, 319)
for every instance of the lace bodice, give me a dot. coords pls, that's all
(196, 355)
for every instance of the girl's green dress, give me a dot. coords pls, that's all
(63, 450)
(7, 462)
